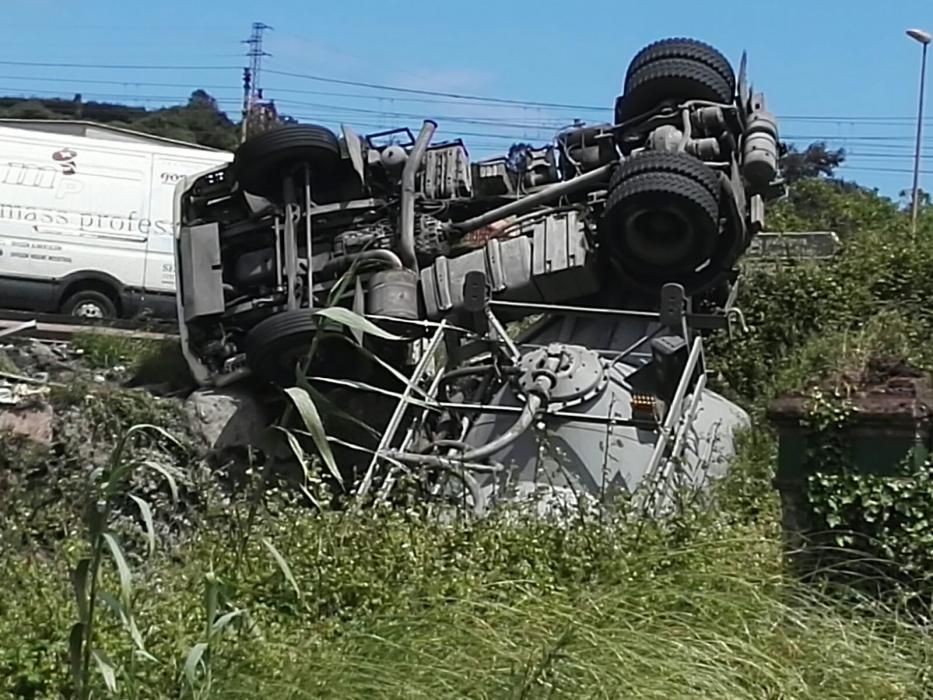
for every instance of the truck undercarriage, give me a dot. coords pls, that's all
(621, 238)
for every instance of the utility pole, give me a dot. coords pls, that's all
(924, 38)
(246, 105)
(253, 90)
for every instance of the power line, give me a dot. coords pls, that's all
(344, 110)
(349, 112)
(434, 93)
(111, 66)
(485, 99)
(256, 42)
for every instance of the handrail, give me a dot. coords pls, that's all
(396, 419)
(674, 411)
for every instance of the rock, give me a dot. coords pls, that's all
(6, 363)
(226, 417)
(43, 356)
(32, 421)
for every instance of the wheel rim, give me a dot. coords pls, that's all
(659, 236)
(88, 309)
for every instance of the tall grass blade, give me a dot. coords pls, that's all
(329, 407)
(171, 476)
(192, 661)
(106, 668)
(75, 648)
(146, 512)
(161, 432)
(220, 624)
(355, 322)
(126, 619)
(283, 566)
(297, 450)
(312, 420)
(123, 569)
(79, 576)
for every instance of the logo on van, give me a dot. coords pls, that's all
(171, 177)
(65, 158)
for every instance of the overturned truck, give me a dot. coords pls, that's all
(621, 241)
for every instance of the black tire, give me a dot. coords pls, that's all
(664, 162)
(674, 79)
(275, 346)
(261, 162)
(682, 48)
(89, 303)
(660, 224)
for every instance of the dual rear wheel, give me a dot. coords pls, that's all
(661, 222)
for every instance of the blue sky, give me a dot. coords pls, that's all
(840, 71)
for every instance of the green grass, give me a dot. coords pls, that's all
(393, 607)
(148, 361)
(726, 636)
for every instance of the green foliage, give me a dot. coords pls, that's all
(828, 205)
(44, 487)
(104, 351)
(886, 516)
(813, 328)
(148, 361)
(200, 121)
(876, 526)
(880, 269)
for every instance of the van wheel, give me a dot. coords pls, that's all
(89, 303)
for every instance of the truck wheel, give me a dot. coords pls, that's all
(662, 215)
(682, 48)
(675, 79)
(261, 162)
(276, 345)
(665, 162)
(89, 303)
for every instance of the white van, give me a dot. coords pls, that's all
(86, 218)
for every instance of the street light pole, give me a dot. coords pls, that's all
(924, 38)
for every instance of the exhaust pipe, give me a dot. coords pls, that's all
(407, 218)
(543, 196)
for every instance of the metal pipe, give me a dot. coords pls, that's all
(563, 309)
(308, 235)
(390, 259)
(528, 203)
(292, 213)
(278, 253)
(916, 203)
(407, 217)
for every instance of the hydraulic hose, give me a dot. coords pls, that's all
(536, 399)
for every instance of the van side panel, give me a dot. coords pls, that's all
(68, 210)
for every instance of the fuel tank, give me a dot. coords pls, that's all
(598, 433)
